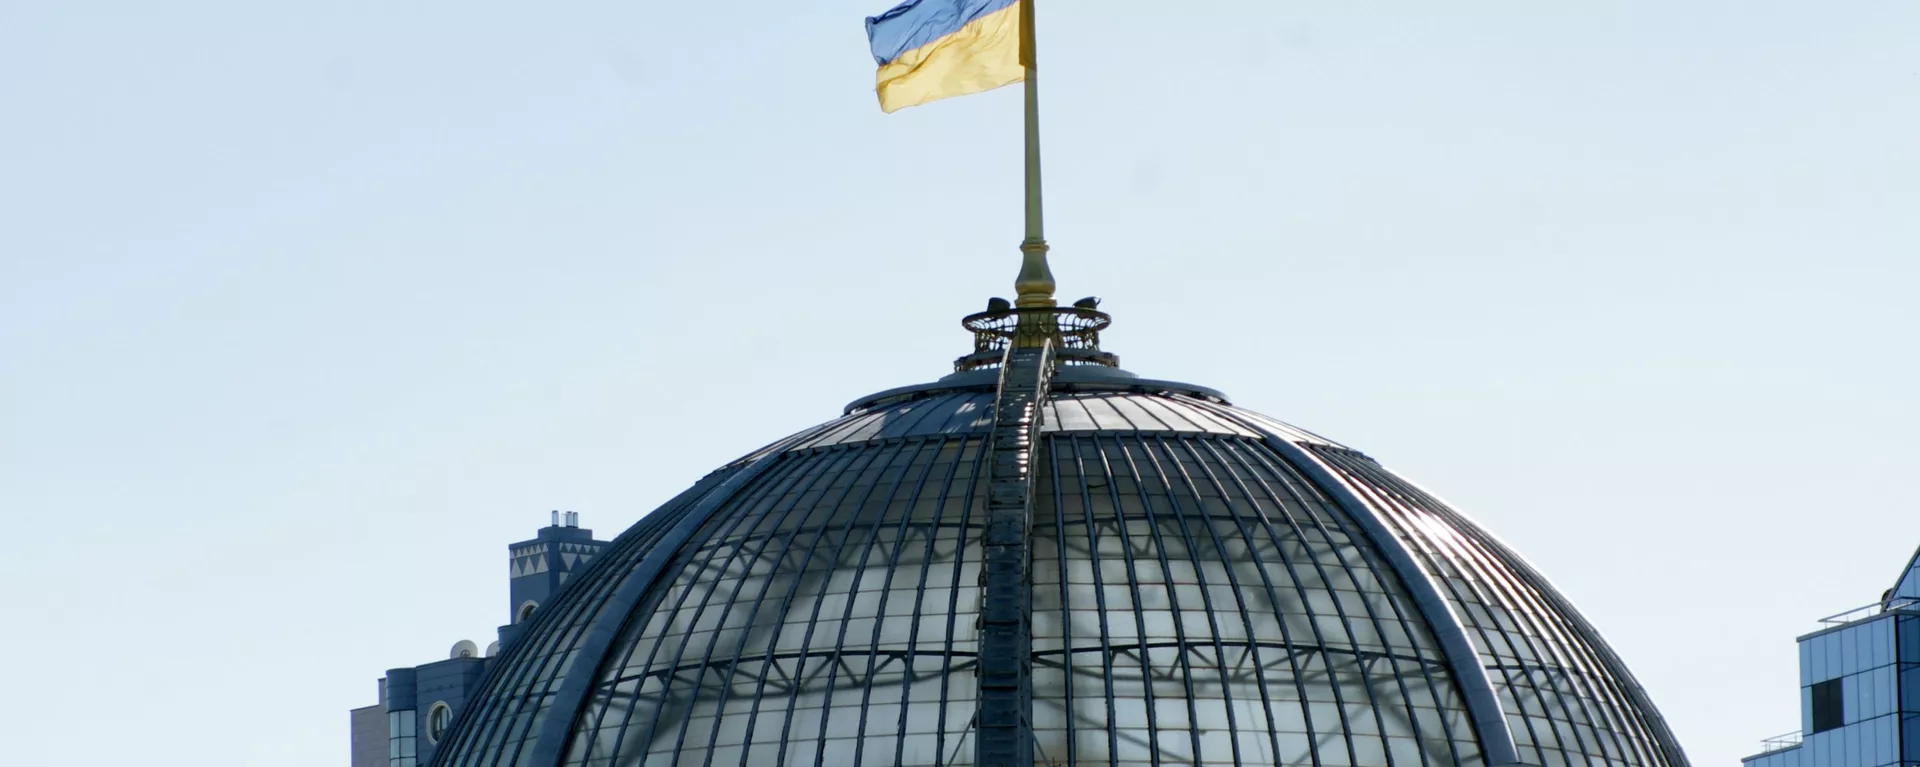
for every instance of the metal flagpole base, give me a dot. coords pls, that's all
(1034, 286)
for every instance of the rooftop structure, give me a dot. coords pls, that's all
(1042, 558)
(417, 705)
(1859, 687)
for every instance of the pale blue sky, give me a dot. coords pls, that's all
(306, 312)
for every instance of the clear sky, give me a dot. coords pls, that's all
(307, 310)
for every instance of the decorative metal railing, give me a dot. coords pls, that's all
(1074, 332)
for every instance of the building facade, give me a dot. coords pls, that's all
(1859, 687)
(417, 706)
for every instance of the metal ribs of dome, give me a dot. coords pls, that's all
(1206, 585)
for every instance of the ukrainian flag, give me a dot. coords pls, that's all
(935, 49)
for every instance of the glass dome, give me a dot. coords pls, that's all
(1201, 585)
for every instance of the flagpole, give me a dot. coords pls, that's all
(1034, 285)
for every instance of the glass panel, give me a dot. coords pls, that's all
(1216, 540)
(1558, 679)
(773, 619)
(1196, 599)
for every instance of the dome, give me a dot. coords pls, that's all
(1043, 559)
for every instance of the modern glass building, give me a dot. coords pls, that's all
(1859, 687)
(1044, 559)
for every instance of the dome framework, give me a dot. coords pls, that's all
(1043, 559)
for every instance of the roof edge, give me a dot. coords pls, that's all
(1072, 378)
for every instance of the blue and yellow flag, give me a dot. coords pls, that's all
(935, 49)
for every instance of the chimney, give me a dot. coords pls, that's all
(556, 518)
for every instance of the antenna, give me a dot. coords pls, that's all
(464, 648)
(556, 518)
